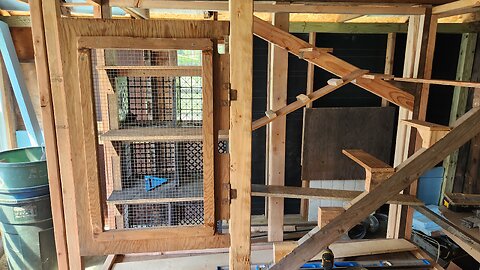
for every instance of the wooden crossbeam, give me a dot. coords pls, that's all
(456, 7)
(320, 193)
(273, 6)
(302, 101)
(331, 63)
(465, 128)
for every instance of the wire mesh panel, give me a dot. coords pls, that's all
(150, 125)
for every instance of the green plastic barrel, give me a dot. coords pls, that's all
(25, 212)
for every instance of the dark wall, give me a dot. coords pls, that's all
(366, 51)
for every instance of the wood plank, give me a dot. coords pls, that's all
(327, 214)
(109, 262)
(138, 13)
(163, 194)
(156, 134)
(113, 42)
(464, 130)
(66, 158)
(8, 109)
(373, 28)
(456, 7)
(367, 161)
(352, 248)
(303, 100)
(208, 146)
(48, 121)
(266, 6)
(389, 58)
(322, 149)
(241, 63)
(331, 63)
(419, 124)
(317, 193)
(438, 82)
(459, 102)
(276, 135)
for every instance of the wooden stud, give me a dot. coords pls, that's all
(464, 130)
(331, 63)
(389, 59)
(459, 101)
(49, 131)
(241, 63)
(276, 134)
(8, 111)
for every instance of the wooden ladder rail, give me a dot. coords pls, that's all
(302, 99)
(464, 129)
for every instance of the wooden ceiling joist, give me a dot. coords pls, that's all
(273, 6)
(464, 129)
(457, 7)
(331, 63)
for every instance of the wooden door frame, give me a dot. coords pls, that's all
(72, 97)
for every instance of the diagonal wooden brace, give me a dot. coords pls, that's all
(331, 63)
(464, 129)
(311, 97)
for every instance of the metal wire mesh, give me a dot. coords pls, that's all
(151, 129)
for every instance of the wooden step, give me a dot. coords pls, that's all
(430, 132)
(326, 214)
(376, 171)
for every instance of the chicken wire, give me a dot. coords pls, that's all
(157, 180)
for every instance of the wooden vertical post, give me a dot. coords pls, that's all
(277, 95)
(48, 120)
(420, 47)
(459, 101)
(389, 59)
(6, 109)
(312, 39)
(241, 52)
(66, 155)
(421, 38)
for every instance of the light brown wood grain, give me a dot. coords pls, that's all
(465, 129)
(241, 77)
(331, 63)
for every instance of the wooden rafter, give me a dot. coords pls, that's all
(331, 63)
(456, 7)
(465, 129)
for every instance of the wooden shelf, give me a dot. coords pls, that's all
(157, 134)
(162, 194)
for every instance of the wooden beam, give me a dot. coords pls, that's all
(465, 128)
(389, 58)
(7, 111)
(241, 63)
(456, 7)
(458, 83)
(49, 131)
(319, 194)
(302, 100)
(273, 6)
(109, 262)
(276, 135)
(459, 102)
(353, 248)
(331, 63)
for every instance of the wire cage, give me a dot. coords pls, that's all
(149, 113)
